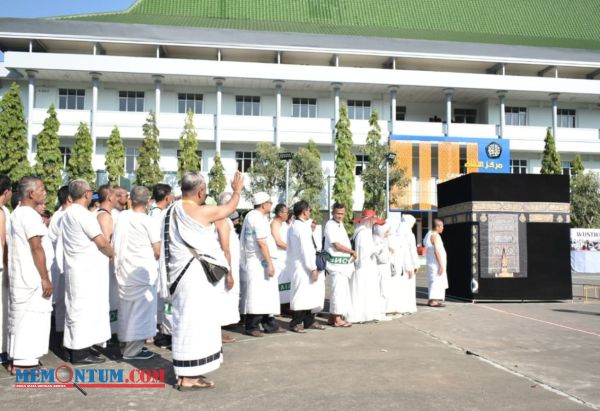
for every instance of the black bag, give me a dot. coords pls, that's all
(214, 272)
(321, 257)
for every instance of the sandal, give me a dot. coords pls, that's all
(199, 384)
(344, 324)
(316, 326)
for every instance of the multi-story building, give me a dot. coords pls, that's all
(278, 71)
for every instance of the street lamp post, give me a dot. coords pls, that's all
(287, 156)
(389, 159)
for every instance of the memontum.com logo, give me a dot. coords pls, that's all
(65, 376)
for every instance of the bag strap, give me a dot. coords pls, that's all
(167, 242)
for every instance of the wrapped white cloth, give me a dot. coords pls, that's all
(301, 261)
(230, 299)
(437, 283)
(4, 288)
(340, 268)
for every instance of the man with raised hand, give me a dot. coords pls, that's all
(188, 239)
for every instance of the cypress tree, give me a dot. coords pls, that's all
(13, 136)
(551, 160)
(114, 161)
(375, 174)
(49, 160)
(578, 166)
(308, 181)
(268, 171)
(148, 173)
(189, 162)
(80, 164)
(345, 162)
(216, 178)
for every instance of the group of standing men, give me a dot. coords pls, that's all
(181, 262)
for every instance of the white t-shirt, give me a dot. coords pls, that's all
(26, 223)
(256, 227)
(336, 233)
(142, 232)
(80, 227)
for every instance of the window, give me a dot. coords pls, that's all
(198, 152)
(71, 99)
(304, 107)
(515, 116)
(189, 102)
(566, 118)
(462, 159)
(567, 167)
(518, 166)
(359, 109)
(400, 113)
(465, 115)
(131, 101)
(247, 105)
(131, 154)
(361, 163)
(244, 160)
(66, 155)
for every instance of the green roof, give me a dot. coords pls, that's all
(551, 23)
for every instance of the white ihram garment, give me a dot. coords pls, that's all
(29, 314)
(196, 322)
(230, 310)
(384, 264)
(57, 269)
(403, 297)
(365, 285)
(340, 268)
(280, 262)
(87, 320)
(301, 261)
(262, 292)
(4, 289)
(163, 310)
(136, 273)
(437, 283)
(113, 287)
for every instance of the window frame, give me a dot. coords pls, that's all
(244, 160)
(520, 165)
(130, 97)
(245, 101)
(134, 155)
(518, 113)
(362, 160)
(466, 114)
(355, 105)
(400, 111)
(304, 101)
(568, 115)
(77, 96)
(196, 100)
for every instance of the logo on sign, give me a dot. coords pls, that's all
(493, 150)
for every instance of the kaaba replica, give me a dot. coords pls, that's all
(507, 236)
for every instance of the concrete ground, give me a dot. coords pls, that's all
(535, 356)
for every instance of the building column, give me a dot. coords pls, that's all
(448, 92)
(219, 82)
(502, 98)
(157, 91)
(278, 95)
(393, 94)
(554, 99)
(93, 113)
(336, 102)
(30, 105)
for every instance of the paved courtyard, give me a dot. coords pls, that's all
(535, 356)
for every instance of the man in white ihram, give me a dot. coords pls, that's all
(137, 245)
(87, 318)
(30, 287)
(435, 258)
(187, 233)
(261, 300)
(308, 284)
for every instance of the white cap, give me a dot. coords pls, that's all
(176, 191)
(260, 198)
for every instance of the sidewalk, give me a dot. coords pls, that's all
(461, 357)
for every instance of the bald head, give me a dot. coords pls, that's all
(192, 184)
(78, 188)
(140, 196)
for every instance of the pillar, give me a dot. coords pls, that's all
(448, 93)
(30, 105)
(219, 83)
(554, 99)
(502, 98)
(393, 94)
(157, 91)
(278, 95)
(94, 112)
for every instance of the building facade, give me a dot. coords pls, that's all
(286, 87)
